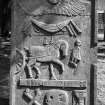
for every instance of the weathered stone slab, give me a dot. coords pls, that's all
(52, 53)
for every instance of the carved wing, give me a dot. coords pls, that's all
(74, 7)
(69, 8)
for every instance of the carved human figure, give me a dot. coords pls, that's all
(75, 56)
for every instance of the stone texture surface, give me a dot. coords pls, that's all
(101, 82)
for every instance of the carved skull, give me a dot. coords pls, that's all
(56, 97)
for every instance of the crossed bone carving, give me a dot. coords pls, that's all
(33, 99)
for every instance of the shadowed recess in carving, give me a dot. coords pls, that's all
(75, 98)
(53, 2)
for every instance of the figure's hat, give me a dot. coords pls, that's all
(77, 42)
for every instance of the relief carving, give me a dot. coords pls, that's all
(63, 11)
(53, 83)
(79, 97)
(48, 53)
(33, 97)
(50, 97)
(45, 22)
(72, 28)
(75, 57)
(56, 97)
(70, 8)
(19, 60)
(39, 19)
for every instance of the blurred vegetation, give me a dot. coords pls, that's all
(5, 50)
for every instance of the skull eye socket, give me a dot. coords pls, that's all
(51, 97)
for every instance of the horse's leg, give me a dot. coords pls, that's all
(29, 71)
(37, 70)
(51, 59)
(52, 72)
(59, 63)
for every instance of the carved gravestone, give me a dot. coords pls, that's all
(52, 57)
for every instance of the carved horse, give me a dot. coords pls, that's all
(45, 54)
